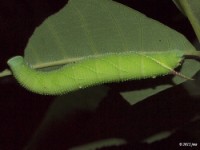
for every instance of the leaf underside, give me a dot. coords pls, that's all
(93, 27)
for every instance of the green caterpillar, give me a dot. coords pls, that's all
(95, 70)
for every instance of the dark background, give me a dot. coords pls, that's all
(21, 111)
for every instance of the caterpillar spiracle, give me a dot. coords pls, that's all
(95, 70)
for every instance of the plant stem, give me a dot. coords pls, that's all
(193, 53)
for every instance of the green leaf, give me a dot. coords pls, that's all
(191, 8)
(158, 136)
(95, 27)
(193, 87)
(136, 96)
(100, 144)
